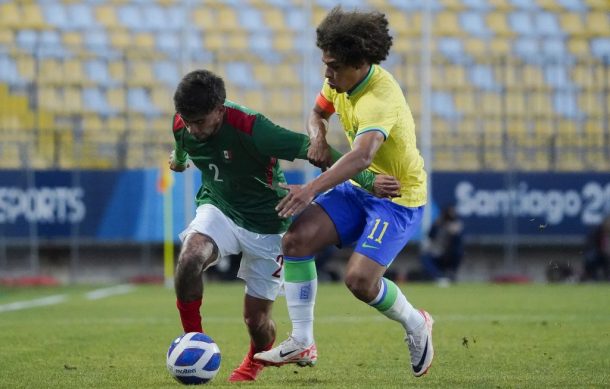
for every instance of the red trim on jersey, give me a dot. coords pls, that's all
(178, 123)
(240, 120)
(269, 171)
(327, 106)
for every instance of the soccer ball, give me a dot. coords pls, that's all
(193, 358)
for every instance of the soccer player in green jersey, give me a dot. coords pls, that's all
(380, 129)
(237, 152)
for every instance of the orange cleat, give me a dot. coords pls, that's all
(247, 371)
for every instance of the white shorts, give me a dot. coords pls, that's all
(261, 261)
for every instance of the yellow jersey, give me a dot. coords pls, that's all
(378, 104)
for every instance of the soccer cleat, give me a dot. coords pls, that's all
(289, 351)
(420, 346)
(247, 371)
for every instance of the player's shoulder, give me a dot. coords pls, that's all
(383, 94)
(385, 81)
(241, 117)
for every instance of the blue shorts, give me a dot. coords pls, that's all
(380, 228)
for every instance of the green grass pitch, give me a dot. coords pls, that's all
(488, 336)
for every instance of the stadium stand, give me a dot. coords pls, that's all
(528, 75)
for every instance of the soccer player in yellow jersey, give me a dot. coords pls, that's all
(380, 129)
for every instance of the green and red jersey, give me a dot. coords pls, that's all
(239, 166)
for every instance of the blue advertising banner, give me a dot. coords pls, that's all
(97, 205)
(542, 204)
(126, 205)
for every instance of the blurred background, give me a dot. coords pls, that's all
(510, 98)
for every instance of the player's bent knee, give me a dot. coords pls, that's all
(359, 285)
(295, 245)
(197, 253)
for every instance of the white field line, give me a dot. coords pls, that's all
(41, 302)
(107, 292)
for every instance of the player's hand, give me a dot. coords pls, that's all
(295, 202)
(386, 186)
(319, 154)
(175, 166)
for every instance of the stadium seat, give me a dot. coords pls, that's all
(573, 24)
(10, 15)
(566, 105)
(80, 17)
(155, 18)
(452, 48)
(600, 48)
(117, 99)
(491, 104)
(116, 124)
(447, 23)
(74, 73)
(121, 40)
(73, 100)
(477, 48)
(598, 23)
(227, 15)
(466, 104)
(483, 77)
(601, 5)
(55, 14)
(591, 104)
(557, 76)
(93, 123)
(443, 105)
(596, 156)
(94, 100)
(474, 24)
(140, 73)
(240, 40)
(162, 99)
(498, 23)
(540, 104)
(515, 104)
(144, 41)
(138, 100)
(32, 17)
(500, 46)
(106, 15)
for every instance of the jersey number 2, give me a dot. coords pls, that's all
(280, 261)
(216, 172)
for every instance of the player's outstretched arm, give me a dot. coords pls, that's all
(380, 185)
(358, 159)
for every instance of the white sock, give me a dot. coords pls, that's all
(301, 285)
(392, 303)
(301, 298)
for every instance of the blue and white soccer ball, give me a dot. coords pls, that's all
(193, 358)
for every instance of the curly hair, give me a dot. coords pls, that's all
(198, 93)
(354, 37)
